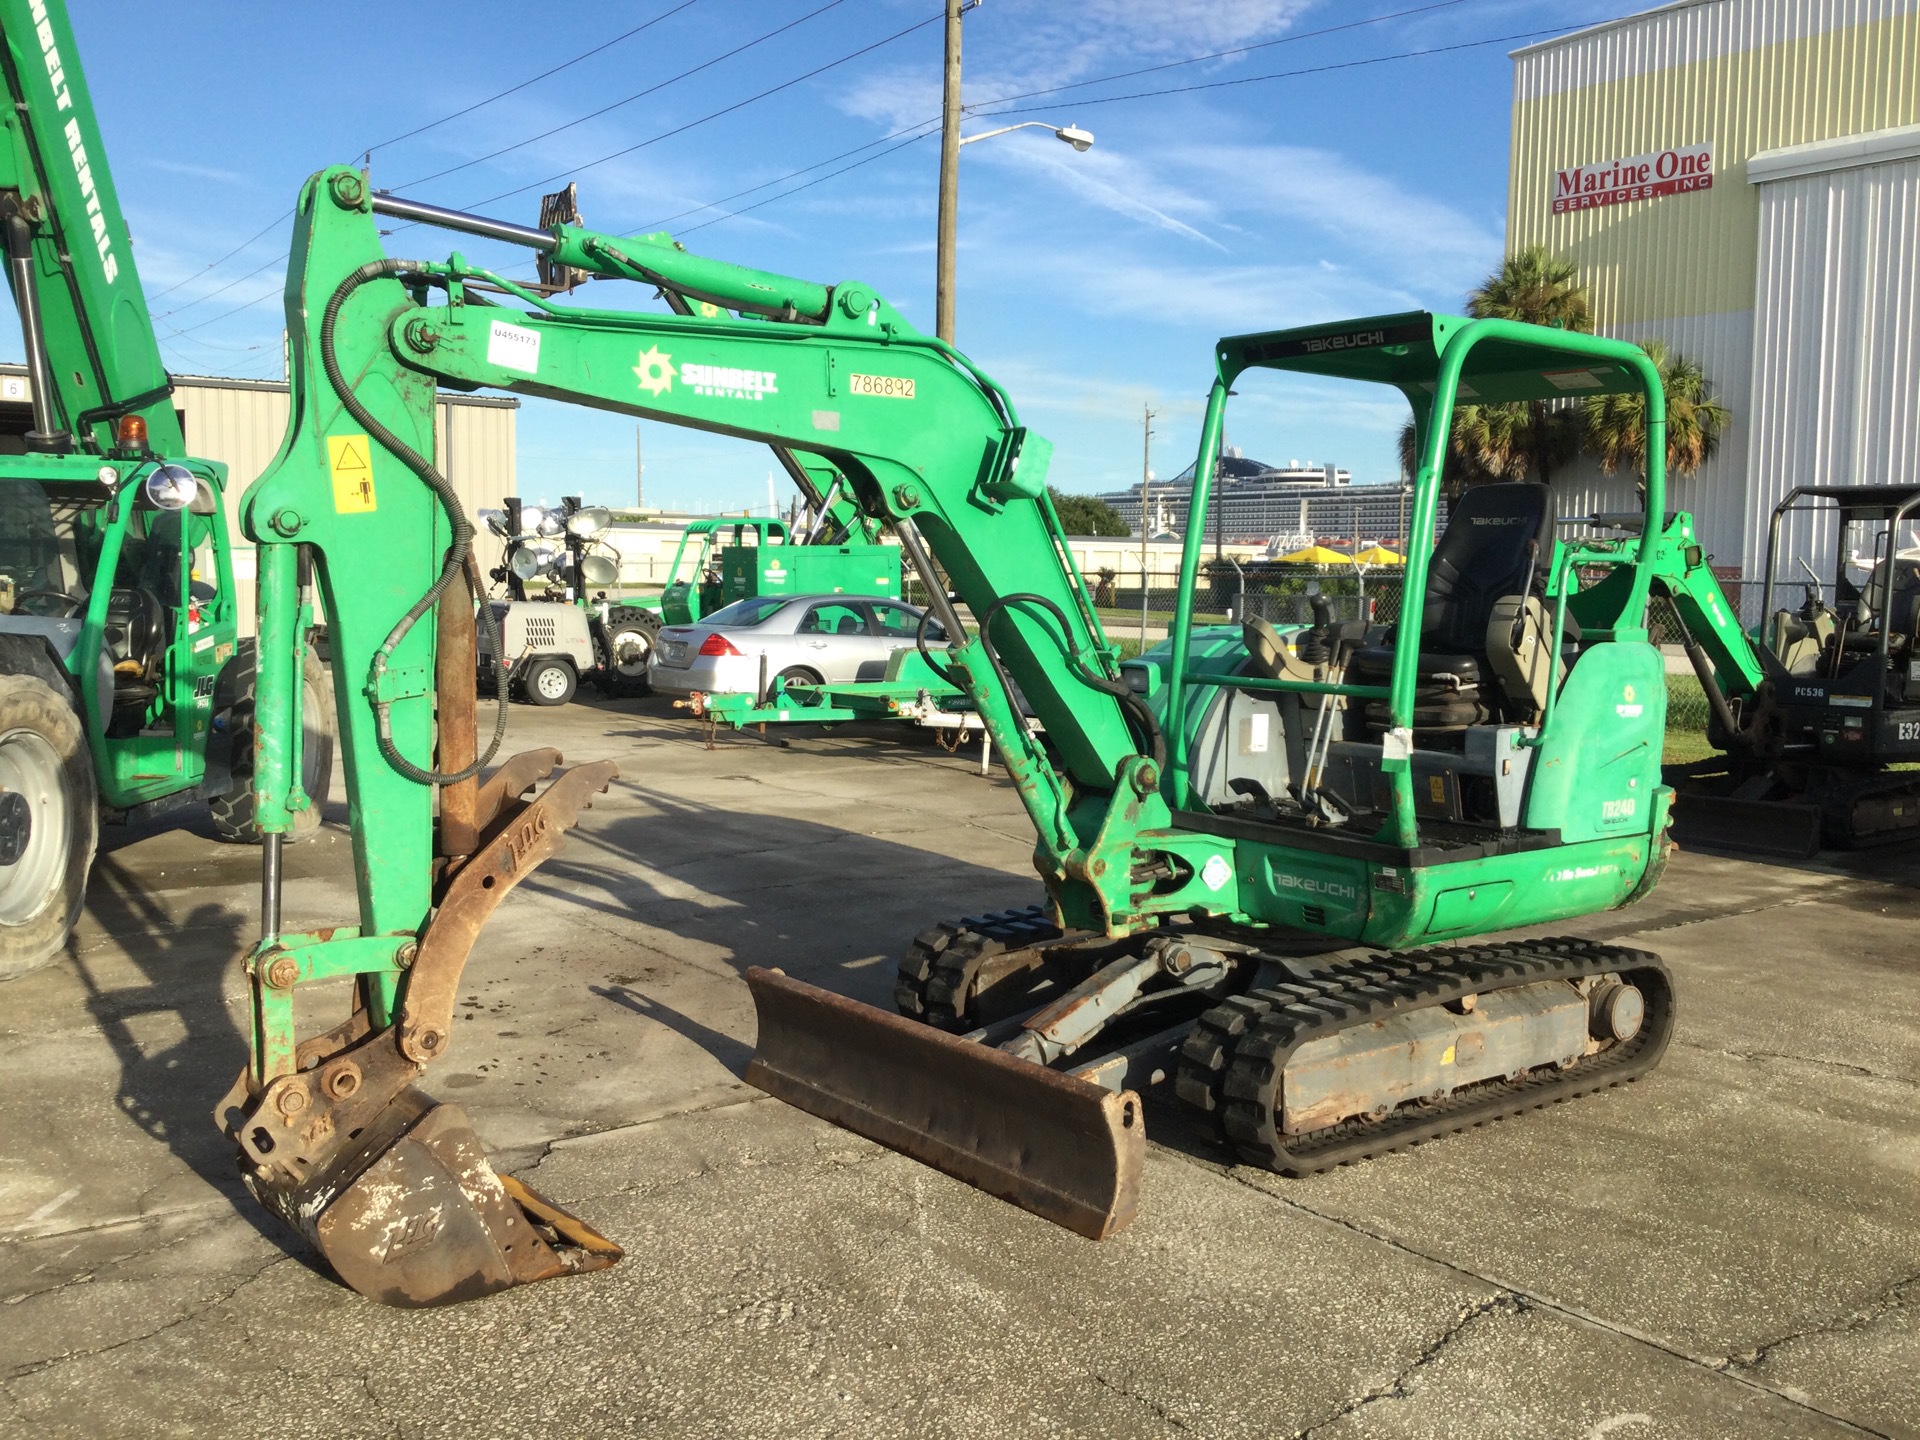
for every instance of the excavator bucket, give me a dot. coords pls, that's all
(1064, 1148)
(424, 1220)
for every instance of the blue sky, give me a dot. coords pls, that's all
(1088, 284)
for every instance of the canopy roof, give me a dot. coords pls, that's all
(1517, 362)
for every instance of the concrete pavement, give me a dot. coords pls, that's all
(1730, 1247)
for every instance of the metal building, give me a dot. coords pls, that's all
(241, 423)
(1741, 178)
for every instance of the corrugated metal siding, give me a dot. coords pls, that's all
(1749, 76)
(1836, 364)
(1693, 254)
(1685, 34)
(243, 425)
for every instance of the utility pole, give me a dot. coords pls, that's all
(949, 175)
(1146, 514)
(639, 473)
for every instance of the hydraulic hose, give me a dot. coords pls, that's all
(458, 547)
(1132, 704)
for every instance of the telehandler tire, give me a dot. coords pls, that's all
(233, 812)
(49, 823)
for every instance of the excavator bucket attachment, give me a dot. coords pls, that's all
(426, 1221)
(1064, 1148)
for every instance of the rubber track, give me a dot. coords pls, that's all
(1231, 1061)
(935, 978)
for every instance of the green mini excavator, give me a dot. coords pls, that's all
(1219, 824)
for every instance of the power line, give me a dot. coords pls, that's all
(162, 294)
(715, 115)
(1030, 94)
(544, 74)
(181, 309)
(790, 175)
(421, 130)
(1227, 54)
(1306, 70)
(617, 104)
(983, 114)
(910, 140)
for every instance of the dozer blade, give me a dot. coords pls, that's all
(1784, 829)
(1063, 1148)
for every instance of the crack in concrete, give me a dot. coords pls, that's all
(1831, 1067)
(1863, 1317)
(22, 1372)
(1146, 1402)
(1564, 1309)
(1403, 1386)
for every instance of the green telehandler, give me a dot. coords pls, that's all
(125, 688)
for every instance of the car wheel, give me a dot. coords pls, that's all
(49, 823)
(796, 678)
(548, 681)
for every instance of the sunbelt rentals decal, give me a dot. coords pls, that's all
(76, 148)
(656, 373)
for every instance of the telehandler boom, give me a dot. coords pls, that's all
(125, 686)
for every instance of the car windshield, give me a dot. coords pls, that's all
(750, 611)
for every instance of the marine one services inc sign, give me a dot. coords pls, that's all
(1638, 177)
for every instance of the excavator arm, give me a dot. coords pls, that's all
(1160, 904)
(334, 1135)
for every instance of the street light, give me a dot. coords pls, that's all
(950, 143)
(1081, 140)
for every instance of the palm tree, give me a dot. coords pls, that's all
(1537, 288)
(1615, 426)
(1479, 451)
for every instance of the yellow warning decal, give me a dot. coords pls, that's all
(350, 458)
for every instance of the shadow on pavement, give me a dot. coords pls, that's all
(730, 1052)
(170, 1092)
(816, 900)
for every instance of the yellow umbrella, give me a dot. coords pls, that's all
(1379, 555)
(1317, 555)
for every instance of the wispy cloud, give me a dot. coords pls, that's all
(1112, 182)
(199, 172)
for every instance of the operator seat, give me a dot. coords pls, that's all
(1495, 546)
(134, 635)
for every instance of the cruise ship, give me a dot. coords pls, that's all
(1295, 504)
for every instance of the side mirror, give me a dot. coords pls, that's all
(170, 487)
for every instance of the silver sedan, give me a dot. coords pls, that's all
(806, 639)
